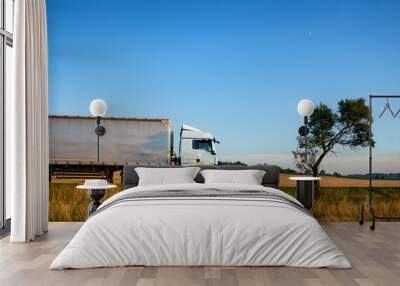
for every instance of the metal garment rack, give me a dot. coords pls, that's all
(369, 205)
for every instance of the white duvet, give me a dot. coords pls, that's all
(193, 231)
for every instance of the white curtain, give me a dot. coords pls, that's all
(27, 123)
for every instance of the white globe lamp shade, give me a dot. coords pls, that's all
(98, 107)
(305, 107)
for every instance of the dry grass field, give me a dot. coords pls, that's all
(66, 203)
(334, 182)
(339, 198)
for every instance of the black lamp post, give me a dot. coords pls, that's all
(98, 108)
(305, 108)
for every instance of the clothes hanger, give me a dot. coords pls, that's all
(387, 107)
(397, 113)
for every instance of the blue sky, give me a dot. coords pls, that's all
(234, 68)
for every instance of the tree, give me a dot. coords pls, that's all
(347, 127)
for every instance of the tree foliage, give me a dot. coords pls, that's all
(347, 127)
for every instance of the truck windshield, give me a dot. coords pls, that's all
(202, 144)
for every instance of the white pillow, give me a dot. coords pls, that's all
(248, 177)
(166, 176)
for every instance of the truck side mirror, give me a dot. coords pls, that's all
(213, 152)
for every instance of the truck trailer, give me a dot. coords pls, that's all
(126, 141)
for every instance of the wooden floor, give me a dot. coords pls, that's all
(375, 257)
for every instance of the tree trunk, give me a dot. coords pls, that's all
(315, 171)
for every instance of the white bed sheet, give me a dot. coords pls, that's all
(200, 232)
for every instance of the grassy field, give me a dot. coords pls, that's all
(339, 199)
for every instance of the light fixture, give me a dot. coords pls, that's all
(305, 108)
(98, 108)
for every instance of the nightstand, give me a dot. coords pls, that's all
(305, 187)
(96, 191)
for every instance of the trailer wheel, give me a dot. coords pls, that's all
(109, 174)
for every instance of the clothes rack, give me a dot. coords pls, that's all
(369, 204)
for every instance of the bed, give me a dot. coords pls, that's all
(197, 224)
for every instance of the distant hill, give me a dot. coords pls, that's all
(376, 176)
(237, 163)
(286, 171)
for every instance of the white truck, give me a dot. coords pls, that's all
(197, 147)
(126, 141)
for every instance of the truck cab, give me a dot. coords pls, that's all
(197, 147)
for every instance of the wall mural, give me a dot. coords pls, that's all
(211, 85)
